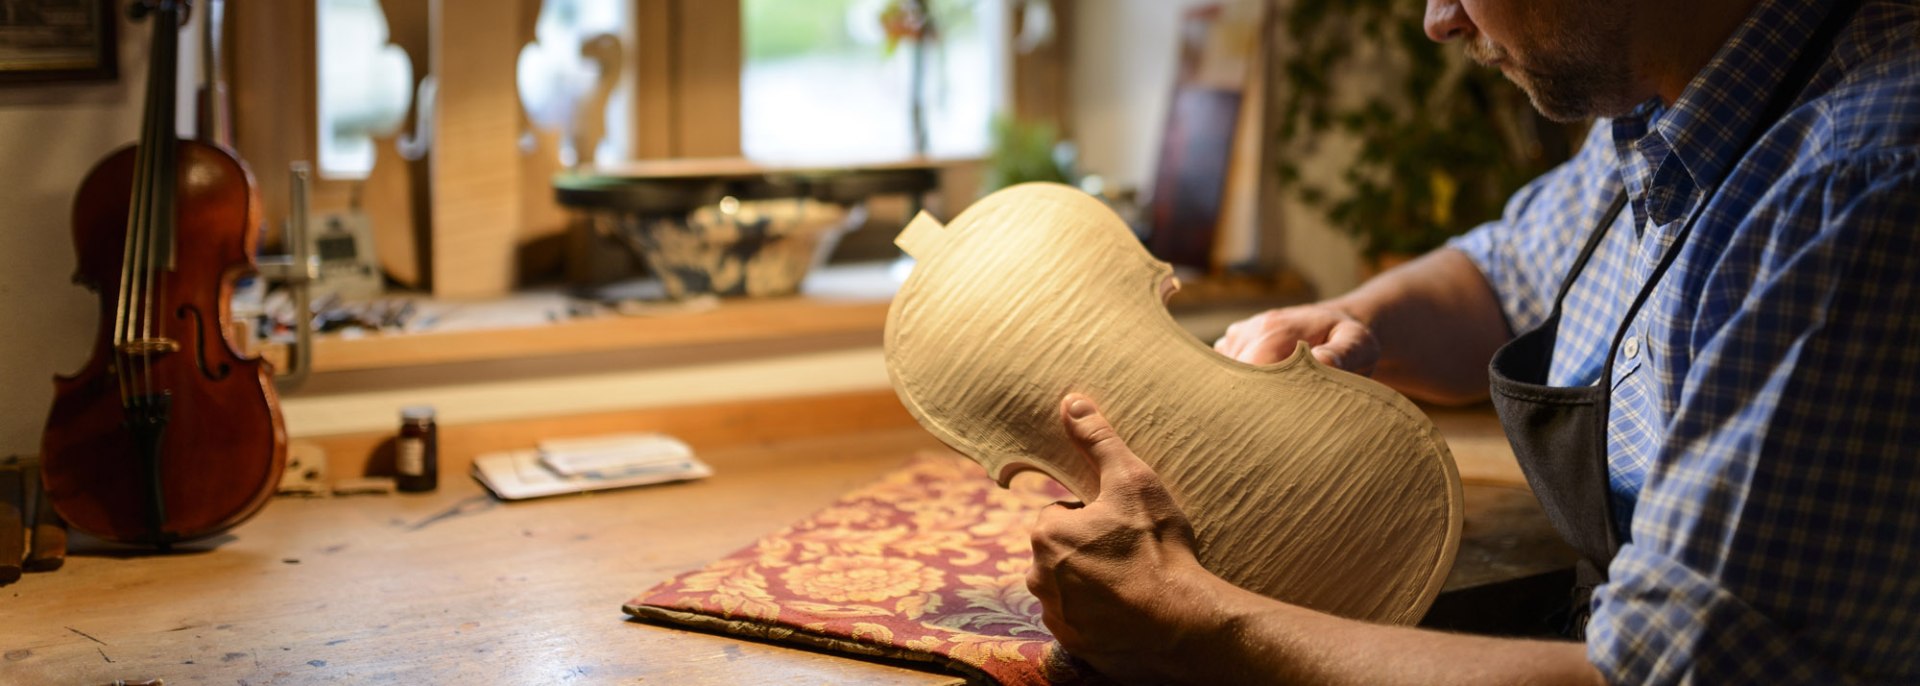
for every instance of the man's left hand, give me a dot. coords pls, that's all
(1117, 579)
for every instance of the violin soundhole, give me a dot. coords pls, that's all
(200, 344)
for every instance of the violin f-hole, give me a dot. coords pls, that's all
(200, 344)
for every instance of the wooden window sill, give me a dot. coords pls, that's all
(854, 301)
(842, 302)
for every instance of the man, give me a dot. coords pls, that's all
(1739, 346)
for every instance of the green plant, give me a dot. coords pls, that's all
(1441, 143)
(1026, 151)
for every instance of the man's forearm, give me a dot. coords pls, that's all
(1260, 640)
(1437, 323)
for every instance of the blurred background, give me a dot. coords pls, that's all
(527, 209)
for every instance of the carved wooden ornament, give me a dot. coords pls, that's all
(1303, 483)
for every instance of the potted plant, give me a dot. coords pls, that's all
(1441, 143)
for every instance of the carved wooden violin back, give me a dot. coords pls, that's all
(1304, 483)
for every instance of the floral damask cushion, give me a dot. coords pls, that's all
(927, 564)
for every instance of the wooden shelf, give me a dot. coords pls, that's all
(734, 321)
(856, 304)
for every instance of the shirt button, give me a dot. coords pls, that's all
(1631, 347)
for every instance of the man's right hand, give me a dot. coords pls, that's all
(1337, 339)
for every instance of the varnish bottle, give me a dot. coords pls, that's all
(417, 454)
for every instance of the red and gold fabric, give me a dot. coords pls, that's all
(927, 564)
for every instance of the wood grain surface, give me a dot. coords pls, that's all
(476, 163)
(769, 320)
(395, 194)
(445, 588)
(450, 587)
(1304, 483)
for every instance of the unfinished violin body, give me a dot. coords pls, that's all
(1304, 483)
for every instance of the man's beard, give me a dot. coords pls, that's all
(1588, 76)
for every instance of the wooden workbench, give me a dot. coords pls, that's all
(454, 587)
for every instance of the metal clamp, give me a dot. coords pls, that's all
(298, 270)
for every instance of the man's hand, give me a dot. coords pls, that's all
(1117, 580)
(1337, 339)
(1426, 328)
(1120, 588)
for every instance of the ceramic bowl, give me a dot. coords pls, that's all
(741, 248)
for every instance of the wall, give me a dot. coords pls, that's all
(1123, 64)
(1123, 61)
(50, 136)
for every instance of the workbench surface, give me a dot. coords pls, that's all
(441, 588)
(455, 587)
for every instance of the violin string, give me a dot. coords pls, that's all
(126, 282)
(140, 215)
(162, 188)
(130, 261)
(143, 355)
(158, 204)
(136, 274)
(120, 316)
(160, 234)
(154, 139)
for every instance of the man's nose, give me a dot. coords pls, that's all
(1446, 20)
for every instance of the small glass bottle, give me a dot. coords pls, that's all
(417, 453)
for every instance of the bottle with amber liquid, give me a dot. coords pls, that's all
(417, 453)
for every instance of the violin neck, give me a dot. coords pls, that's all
(149, 243)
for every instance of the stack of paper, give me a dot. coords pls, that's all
(615, 455)
(588, 464)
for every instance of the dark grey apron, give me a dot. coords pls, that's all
(1559, 433)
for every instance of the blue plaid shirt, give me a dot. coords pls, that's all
(1764, 435)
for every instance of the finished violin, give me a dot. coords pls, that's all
(168, 434)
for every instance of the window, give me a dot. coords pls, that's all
(365, 83)
(365, 88)
(576, 42)
(818, 84)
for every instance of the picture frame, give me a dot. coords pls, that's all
(58, 41)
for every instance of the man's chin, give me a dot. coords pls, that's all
(1565, 102)
(1559, 111)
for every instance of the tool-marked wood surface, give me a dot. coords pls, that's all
(444, 588)
(449, 587)
(1304, 483)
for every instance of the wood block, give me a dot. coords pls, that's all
(539, 246)
(1304, 483)
(395, 194)
(46, 532)
(476, 160)
(13, 518)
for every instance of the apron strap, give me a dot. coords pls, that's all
(1586, 251)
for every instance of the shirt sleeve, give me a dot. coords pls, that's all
(1526, 252)
(1777, 539)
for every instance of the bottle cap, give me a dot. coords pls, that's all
(417, 413)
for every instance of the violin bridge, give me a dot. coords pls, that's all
(149, 347)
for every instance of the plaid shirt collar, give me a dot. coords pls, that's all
(1667, 154)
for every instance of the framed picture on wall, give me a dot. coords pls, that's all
(57, 40)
